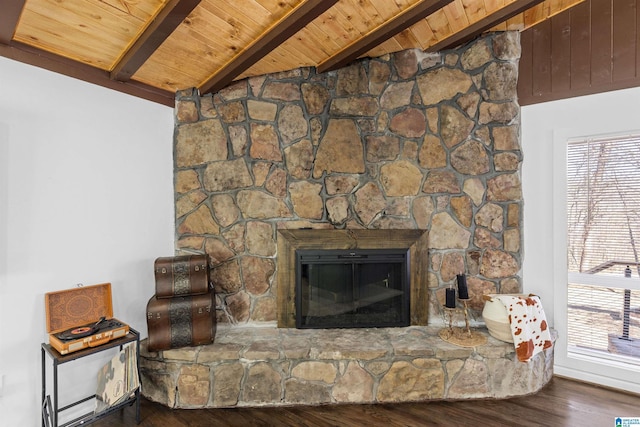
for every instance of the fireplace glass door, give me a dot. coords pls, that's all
(352, 289)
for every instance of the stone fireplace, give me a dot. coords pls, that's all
(382, 153)
(412, 141)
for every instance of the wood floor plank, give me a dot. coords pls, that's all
(563, 402)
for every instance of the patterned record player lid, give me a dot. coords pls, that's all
(77, 306)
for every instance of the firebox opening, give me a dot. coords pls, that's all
(352, 288)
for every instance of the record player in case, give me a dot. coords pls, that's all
(82, 317)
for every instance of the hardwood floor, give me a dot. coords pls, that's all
(562, 402)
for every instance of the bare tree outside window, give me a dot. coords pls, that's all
(603, 220)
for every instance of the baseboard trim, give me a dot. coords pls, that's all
(597, 380)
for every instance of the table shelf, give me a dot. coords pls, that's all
(51, 410)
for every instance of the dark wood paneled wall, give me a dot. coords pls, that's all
(591, 48)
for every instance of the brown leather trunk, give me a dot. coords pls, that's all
(180, 321)
(181, 276)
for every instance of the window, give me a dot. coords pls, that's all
(603, 224)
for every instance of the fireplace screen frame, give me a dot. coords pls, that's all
(359, 309)
(290, 240)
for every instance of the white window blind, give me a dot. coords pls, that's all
(603, 215)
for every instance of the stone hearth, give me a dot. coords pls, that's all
(271, 367)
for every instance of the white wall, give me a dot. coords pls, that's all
(545, 129)
(86, 196)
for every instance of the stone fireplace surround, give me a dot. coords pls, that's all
(407, 142)
(412, 141)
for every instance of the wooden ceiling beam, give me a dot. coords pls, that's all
(33, 56)
(11, 11)
(268, 41)
(476, 29)
(169, 18)
(384, 32)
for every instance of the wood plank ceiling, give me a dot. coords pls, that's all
(153, 48)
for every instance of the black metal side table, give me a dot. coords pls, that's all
(50, 410)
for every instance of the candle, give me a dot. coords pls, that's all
(450, 298)
(463, 292)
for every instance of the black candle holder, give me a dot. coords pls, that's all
(463, 337)
(467, 326)
(449, 312)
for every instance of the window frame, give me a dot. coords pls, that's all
(586, 367)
